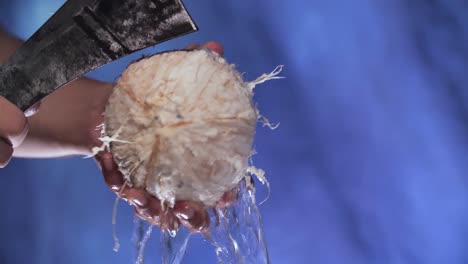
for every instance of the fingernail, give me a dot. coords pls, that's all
(137, 197)
(183, 216)
(184, 212)
(214, 46)
(115, 188)
(33, 109)
(143, 213)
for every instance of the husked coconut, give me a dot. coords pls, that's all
(181, 125)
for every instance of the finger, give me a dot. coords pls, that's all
(147, 206)
(151, 211)
(192, 215)
(112, 176)
(214, 46)
(144, 214)
(154, 206)
(13, 124)
(135, 196)
(6, 151)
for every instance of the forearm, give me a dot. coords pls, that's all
(65, 124)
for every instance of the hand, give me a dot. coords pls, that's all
(192, 215)
(13, 129)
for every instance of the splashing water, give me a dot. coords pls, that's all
(236, 233)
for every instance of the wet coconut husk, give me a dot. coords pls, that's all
(182, 125)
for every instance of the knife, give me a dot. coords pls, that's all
(84, 35)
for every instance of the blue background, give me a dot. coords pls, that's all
(369, 164)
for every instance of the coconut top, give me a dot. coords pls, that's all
(190, 119)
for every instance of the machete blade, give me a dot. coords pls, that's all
(84, 35)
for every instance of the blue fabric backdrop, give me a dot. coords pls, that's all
(369, 164)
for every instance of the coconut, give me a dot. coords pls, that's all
(181, 125)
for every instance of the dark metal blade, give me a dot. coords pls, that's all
(84, 35)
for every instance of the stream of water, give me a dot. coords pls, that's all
(236, 235)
